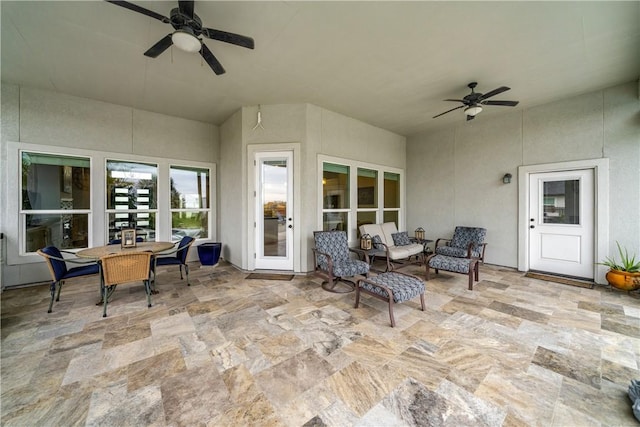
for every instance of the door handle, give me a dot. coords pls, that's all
(532, 226)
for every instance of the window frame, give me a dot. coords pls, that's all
(208, 210)
(354, 165)
(109, 211)
(13, 225)
(22, 213)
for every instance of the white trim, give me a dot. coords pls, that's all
(98, 217)
(252, 150)
(601, 213)
(353, 183)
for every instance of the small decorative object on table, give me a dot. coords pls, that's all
(365, 242)
(128, 238)
(419, 233)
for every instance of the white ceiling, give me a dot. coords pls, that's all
(389, 64)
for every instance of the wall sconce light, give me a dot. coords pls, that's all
(506, 179)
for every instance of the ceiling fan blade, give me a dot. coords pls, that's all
(505, 103)
(213, 62)
(159, 47)
(455, 100)
(448, 111)
(141, 10)
(226, 37)
(186, 8)
(494, 92)
(470, 117)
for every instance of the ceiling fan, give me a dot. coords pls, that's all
(473, 102)
(188, 29)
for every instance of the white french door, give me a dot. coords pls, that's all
(561, 222)
(274, 210)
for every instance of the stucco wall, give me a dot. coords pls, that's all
(454, 174)
(48, 118)
(313, 130)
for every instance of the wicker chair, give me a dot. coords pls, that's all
(180, 257)
(60, 273)
(123, 268)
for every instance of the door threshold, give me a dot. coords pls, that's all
(561, 278)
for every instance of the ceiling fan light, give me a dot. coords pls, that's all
(473, 110)
(186, 41)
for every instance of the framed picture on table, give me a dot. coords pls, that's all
(128, 238)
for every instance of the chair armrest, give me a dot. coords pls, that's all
(170, 251)
(73, 260)
(446, 242)
(316, 252)
(472, 245)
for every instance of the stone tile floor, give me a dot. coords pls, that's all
(228, 351)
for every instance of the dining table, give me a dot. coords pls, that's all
(98, 252)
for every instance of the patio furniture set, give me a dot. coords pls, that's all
(332, 261)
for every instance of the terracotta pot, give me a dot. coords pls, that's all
(623, 280)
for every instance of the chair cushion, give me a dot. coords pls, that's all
(350, 267)
(462, 236)
(401, 252)
(401, 238)
(403, 287)
(447, 263)
(334, 244)
(456, 252)
(168, 261)
(84, 270)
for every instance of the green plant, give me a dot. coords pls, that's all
(627, 263)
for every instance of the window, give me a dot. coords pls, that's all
(368, 196)
(55, 200)
(391, 198)
(189, 202)
(131, 193)
(335, 197)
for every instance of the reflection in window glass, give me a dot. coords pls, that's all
(60, 185)
(367, 188)
(335, 221)
(335, 186)
(365, 217)
(189, 202)
(561, 202)
(391, 216)
(132, 198)
(391, 190)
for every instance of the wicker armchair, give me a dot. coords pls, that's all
(178, 257)
(123, 268)
(60, 273)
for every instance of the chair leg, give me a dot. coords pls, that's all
(105, 300)
(52, 289)
(180, 271)
(59, 289)
(422, 300)
(357, 295)
(393, 321)
(147, 289)
(470, 278)
(186, 271)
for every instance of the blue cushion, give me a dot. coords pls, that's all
(401, 239)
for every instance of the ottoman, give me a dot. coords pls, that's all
(392, 287)
(467, 266)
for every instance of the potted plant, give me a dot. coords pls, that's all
(624, 275)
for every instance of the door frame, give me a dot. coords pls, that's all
(600, 215)
(252, 150)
